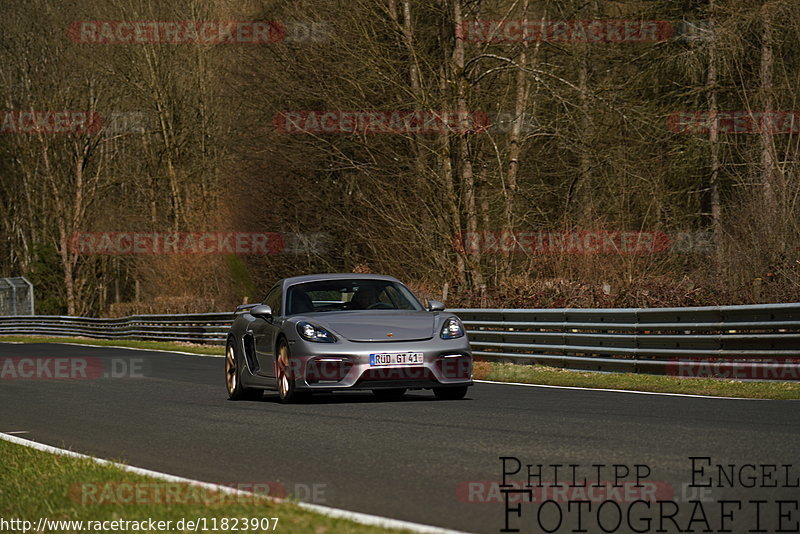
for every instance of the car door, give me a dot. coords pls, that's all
(265, 333)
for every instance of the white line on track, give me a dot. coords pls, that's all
(614, 390)
(119, 347)
(357, 517)
(140, 348)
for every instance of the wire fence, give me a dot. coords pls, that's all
(16, 296)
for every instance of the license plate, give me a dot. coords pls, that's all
(396, 358)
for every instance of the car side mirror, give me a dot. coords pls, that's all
(262, 311)
(435, 306)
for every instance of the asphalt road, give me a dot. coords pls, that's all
(411, 460)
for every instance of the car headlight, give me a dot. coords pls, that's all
(312, 332)
(452, 329)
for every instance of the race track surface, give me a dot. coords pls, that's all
(411, 460)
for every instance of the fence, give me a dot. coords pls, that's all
(202, 328)
(16, 296)
(656, 340)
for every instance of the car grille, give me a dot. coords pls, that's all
(327, 370)
(406, 374)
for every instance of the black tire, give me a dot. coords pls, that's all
(452, 393)
(287, 390)
(389, 394)
(233, 377)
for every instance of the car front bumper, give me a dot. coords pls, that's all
(346, 365)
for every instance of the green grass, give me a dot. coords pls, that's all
(36, 484)
(528, 374)
(217, 350)
(539, 374)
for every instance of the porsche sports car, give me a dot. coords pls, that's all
(332, 332)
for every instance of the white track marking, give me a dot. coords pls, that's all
(120, 347)
(115, 347)
(140, 348)
(357, 517)
(615, 390)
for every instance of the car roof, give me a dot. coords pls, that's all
(286, 282)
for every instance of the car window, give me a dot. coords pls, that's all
(273, 300)
(343, 295)
(390, 295)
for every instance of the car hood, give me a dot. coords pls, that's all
(376, 325)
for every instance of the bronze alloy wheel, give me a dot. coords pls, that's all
(285, 377)
(233, 377)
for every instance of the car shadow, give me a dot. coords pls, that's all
(354, 397)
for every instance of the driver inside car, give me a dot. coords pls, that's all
(364, 297)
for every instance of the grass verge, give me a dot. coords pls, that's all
(527, 374)
(36, 484)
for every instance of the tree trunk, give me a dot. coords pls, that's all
(464, 157)
(515, 147)
(769, 171)
(713, 140)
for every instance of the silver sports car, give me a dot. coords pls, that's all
(332, 332)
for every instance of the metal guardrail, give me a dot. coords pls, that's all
(207, 328)
(645, 340)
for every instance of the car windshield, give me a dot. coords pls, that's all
(356, 294)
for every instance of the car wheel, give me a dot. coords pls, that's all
(454, 393)
(389, 394)
(233, 377)
(285, 377)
